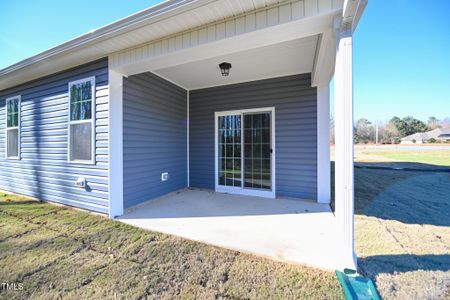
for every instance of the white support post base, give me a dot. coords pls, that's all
(323, 145)
(115, 144)
(344, 194)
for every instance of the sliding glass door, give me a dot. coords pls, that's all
(244, 152)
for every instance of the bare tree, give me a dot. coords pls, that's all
(364, 130)
(433, 123)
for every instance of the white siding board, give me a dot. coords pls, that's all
(272, 16)
(230, 28)
(285, 13)
(250, 22)
(311, 7)
(298, 10)
(261, 19)
(220, 31)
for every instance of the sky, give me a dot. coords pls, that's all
(401, 48)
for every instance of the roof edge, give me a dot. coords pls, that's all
(92, 36)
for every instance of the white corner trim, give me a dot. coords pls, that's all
(115, 176)
(323, 145)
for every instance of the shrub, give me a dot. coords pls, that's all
(432, 140)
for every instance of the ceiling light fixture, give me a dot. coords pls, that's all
(225, 68)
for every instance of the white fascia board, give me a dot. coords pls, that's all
(358, 13)
(352, 12)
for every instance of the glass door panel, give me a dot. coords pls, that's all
(257, 151)
(229, 156)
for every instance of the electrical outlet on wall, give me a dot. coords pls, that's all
(165, 176)
(81, 182)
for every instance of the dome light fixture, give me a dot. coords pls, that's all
(225, 68)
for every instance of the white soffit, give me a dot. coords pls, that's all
(288, 58)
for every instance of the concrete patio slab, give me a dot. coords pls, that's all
(283, 229)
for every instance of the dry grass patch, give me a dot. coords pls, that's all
(402, 232)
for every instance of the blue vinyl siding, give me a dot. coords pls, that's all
(154, 137)
(43, 171)
(295, 103)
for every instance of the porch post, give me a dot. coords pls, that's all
(323, 144)
(115, 144)
(344, 193)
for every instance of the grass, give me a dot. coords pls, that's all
(402, 230)
(433, 157)
(58, 252)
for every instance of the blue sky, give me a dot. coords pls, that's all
(401, 48)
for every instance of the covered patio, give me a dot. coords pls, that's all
(289, 230)
(181, 121)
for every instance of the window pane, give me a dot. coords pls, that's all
(81, 141)
(86, 91)
(9, 122)
(13, 106)
(12, 113)
(86, 110)
(75, 111)
(74, 94)
(13, 143)
(81, 101)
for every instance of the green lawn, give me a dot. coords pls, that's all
(59, 252)
(434, 157)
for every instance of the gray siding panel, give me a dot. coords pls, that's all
(295, 103)
(43, 171)
(154, 128)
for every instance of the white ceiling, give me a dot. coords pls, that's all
(288, 58)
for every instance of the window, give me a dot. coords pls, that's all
(81, 120)
(13, 128)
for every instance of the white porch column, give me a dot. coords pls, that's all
(344, 194)
(323, 144)
(115, 144)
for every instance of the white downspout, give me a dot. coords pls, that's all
(187, 142)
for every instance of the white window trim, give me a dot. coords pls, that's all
(19, 108)
(242, 190)
(92, 121)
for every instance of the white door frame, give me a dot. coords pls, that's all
(241, 190)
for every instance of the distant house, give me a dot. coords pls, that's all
(438, 134)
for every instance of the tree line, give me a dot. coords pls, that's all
(392, 131)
